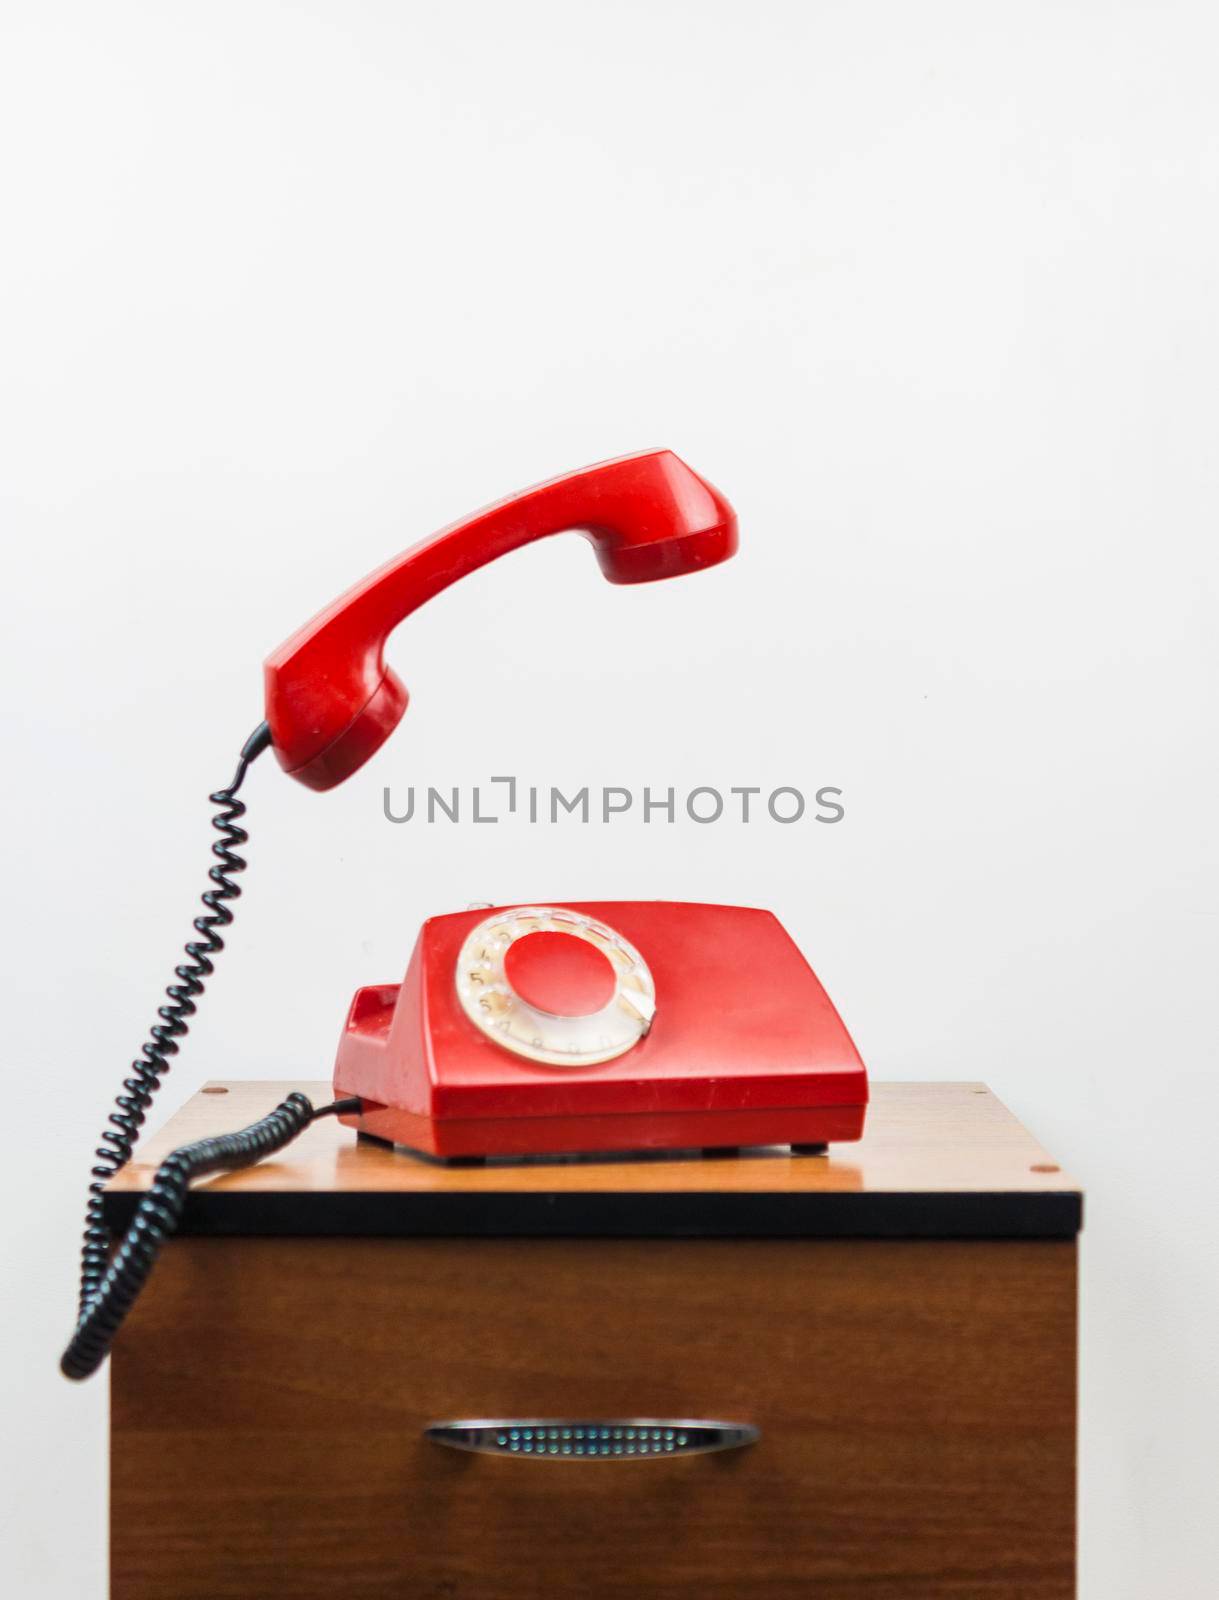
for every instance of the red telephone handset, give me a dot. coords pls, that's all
(332, 701)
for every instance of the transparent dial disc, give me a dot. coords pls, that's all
(583, 1005)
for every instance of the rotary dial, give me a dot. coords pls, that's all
(555, 986)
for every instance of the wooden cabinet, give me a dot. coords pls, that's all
(897, 1319)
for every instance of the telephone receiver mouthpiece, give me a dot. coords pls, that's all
(331, 701)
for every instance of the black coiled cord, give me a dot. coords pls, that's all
(132, 1101)
(109, 1287)
(159, 1212)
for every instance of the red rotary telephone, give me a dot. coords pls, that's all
(636, 1025)
(522, 1030)
(539, 1029)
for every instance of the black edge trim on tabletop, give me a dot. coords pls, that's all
(614, 1214)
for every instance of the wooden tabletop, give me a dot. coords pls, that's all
(938, 1160)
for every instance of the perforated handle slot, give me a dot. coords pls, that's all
(607, 1439)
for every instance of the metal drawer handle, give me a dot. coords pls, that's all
(609, 1439)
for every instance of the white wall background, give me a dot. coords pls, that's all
(929, 290)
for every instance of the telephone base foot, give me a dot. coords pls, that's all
(373, 1138)
(809, 1149)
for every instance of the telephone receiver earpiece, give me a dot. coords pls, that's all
(332, 701)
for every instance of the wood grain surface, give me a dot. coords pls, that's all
(921, 1138)
(916, 1401)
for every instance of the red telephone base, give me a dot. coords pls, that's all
(637, 1131)
(718, 1035)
